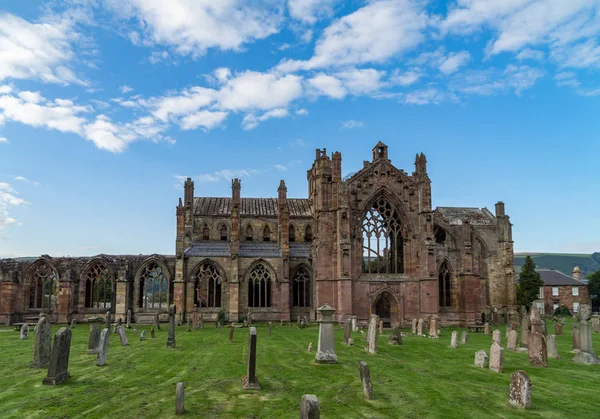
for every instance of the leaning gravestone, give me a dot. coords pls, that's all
(365, 377)
(538, 355)
(372, 334)
(179, 399)
(480, 359)
(250, 381)
(122, 335)
(394, 339)
(454, 339)
(43, 342)
(73, 323)
(309, 407)
(586, 353)
(94, 336)
(463, 337)
(143, 336)
(496, 357)
(347, 330)
(525, 326)
(420, 327)
(552, 347)
(103, 348)
(520, 390)
(512, 340)
(326, 348)
(59, 359)
(24, 332)
(171, 337)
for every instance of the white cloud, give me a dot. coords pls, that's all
(372, 34)
(493, 81)
(225, 174)
(158, 56)
(427, 96)
(309, 11)
(454, 61)
(361, 81)
(302, 111)
(281, 167)
(323, 84)
(251, 121)
(183, 103)
(530, 54)
(205, 119)
(8, 198)
(3, 140)
(24, 179)
(352, 124)
(193, 26)
(407, 78)
(583, 55)
(567, 78)
(125, 89)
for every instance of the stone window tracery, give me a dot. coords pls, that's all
(292, 234)
(207, 286)
(445, 279)
(99, 286)
(259, 287)
(205, 232)
(383, 247)
(223, 232)
(249, 233)
(43, 281)
(266, 234)
(308, 234)
(301, 288)
(155, 290)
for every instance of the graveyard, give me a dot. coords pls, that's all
(421, 377)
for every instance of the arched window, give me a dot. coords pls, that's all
(292, 234)
(301, 288)
(43, 279)
(383, 248)
(266, 234)
(99, 284)
(440, 235)
(248, 233)
(223, 232)
(207, 286)
(155, 290)
(444, 278)
(205, 232)
(259, 287)
(308, 236)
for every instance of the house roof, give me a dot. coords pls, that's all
(265, 207)
(460, 215)
(555, 278)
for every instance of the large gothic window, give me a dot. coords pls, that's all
(155, 291)
(99, 284)
(248, 233)
(308, 235)
(301, 288)
(223, 232)
(267, 234)
(259, 287)
(207, 286)
(383, 250)
(43, 280)
(444, 278)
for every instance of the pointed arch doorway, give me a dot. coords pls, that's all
(385, 307)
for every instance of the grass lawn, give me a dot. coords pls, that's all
(423, 378)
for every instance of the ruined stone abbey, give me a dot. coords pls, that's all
(367, 244)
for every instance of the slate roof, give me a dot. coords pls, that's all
(459, 215)
(556, 278)
(300, 250)
(209, 248)
(259, 249)
(261, 207)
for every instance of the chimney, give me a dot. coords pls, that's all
(282, 192)
(236, 186)
(500, 209)
(577, 273)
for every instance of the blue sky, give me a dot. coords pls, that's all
(106, 105)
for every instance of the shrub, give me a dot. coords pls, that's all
(562, 311)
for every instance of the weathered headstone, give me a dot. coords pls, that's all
(552, 347)
(538, 355)
(179, 399)
(520, 390)
(245, 323)
(189, 324)
(122, 335)
(365, 377)
(103, 347)
(372, 334)
(354, 324)
(347, 330)
(558, 329)
(157, 321)
(201, 321)
(298, 322)
(512, 340)
(309, 407)
(108, 320)
(586, 353)
(171, 337)
(270, 329)
(496, 357)
(143, 336)
(537, 324)
(525, 326)
(42, 345)
(395, 338)
(231, 332)
(480, 359)
(486, 328)
(433, 326)
(119, 321)
(114, 326)
(250, 381)
(195, 317)
(464, 337)
(152, 333)
(73, 323)
(454, 339)
(129, 319)
(249, 319)
(326, 348)
(310, 347)
(59, 359)
(350, 341)
(497, 336)
(575, 337)
(414, 327)
(24, 334)
(595, 320)
(94, 336)
(381, 327)
(135, 331)
(420, 327)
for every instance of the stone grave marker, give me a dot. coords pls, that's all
(414, 327)
(108, 320)
(537, 324)
(122, 335)
(231, 332)
(189, 324)
(157, 321)
(433, 326)
(350, 341)
(497, 336)
(520, 390)
(59, 359)
(586, 353)
(381, 327)
(270, 329)
(309, 407)
(179, 399)
(129, 319)
(114, 326)
(152, 333)
(135, 331)
(552, 347)
(420, 327)
(195, 323)
(480, 359)
(42, 345)
(354, 324)
(372, 335)
(94, 335)
(558, 329)
(171, 337)
(395, 338)
(347, 330)
(250, 381)
(73, 323)
(575, 337)
(454, 339)
(464, 337)
(511, 343)
(103, 347)
(143, 336)
(595, 320)
(201, 321)
(24, 334)
(496, 357)
(326, 347)
(538, 354)
(310, 347)
(525, 326)
(365, 377)
(486, 328)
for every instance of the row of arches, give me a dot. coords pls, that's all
(249, 233)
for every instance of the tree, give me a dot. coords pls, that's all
(594, 287)
(529, 284)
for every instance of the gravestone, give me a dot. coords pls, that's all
(372, 334)
(595, 320)
(157, 321)
(108, 320)
(326, 347)
(309, 407)
(350, 341)
(381, 327)
(586, 353)
(114, 328)
(189, 324)
(171, 337)
(575, 337)
(480, 359)
(464, 337)
(433, 326)
(511, 343)
(525, 326)
(497, 337)
(245, 323)
(552, 347)
(298, 323)
(520, 390)
(179, 396)
(538, 354)
(122, 335)
(395, 338)
(303, 322)
(143, 336)
(496, 357)
(420, 327)
(73, 323)
(414, 327)
(495, 319)
(365, 377)
(231, 332)
(310, 347)
(249, 319)
(24, 334)
(59, 359)
(103, 347)
(454, 339)
(119, 322)
(537, 324)
(94, 336)
(558, 329)
(486, 328)
(152, 333)
(135, 331)
(42, 345)
(129, 319)
(250, 381)
(195, 317)
(354, 324)
(201, 321)
(347, 330)
(270, 329)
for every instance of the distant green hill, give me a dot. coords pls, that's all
(564, 262)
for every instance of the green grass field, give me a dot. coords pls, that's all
(423, 378)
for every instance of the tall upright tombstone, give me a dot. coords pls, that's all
(103, 347)
(157, 321)
(464, 337)
(525, 326)
(420, 327)
(179, 398)
(552, 347)
(108, 320)
(520, 390)
(309, 407)
(575, 337)
(347, 330)
(122, 335)
(512, 340)
(43, 342)
(365, 377)
(433, 326)
(231, 332)
(537, 324)
(195, 317)
(538, 353)
(586, 353)
(129, 319)
(414, 327)
(270, 329)
(24, 333)
(171, 337)
(250, 381)
(94, 336)
(454, 339)
(496, 357)
(354, 324)
(326, 347)
(59, 359)
(372, 334)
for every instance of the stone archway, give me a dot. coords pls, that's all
(386, 308)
